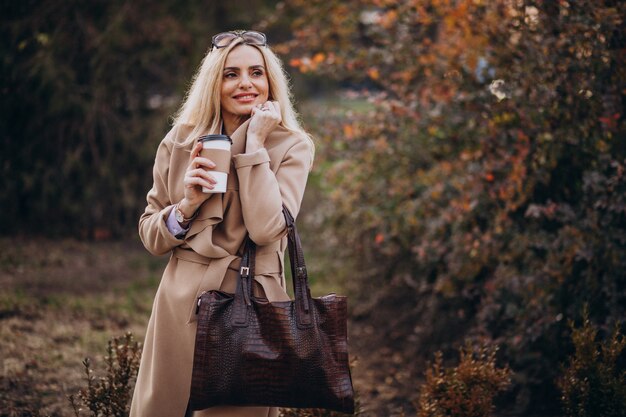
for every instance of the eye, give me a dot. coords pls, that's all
(257, 73)
(230, 75)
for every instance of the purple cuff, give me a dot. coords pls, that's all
(173, 226)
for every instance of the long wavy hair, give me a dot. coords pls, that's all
(202, 107)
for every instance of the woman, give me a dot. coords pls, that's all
(240, 90)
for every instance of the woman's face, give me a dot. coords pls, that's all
(244, 82)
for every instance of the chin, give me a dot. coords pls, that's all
(244, 112)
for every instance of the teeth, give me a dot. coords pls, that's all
(248, 96)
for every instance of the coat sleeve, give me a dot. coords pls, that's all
(153, 230)
(262, 192)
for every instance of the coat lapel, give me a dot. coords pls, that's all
(212, 210)
(239, 139)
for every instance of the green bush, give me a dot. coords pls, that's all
(594, 383)
(109, 395)
(467, 390)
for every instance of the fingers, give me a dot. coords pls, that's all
(259, 109)
(272, 106)
(199, 177)
(193, 182)
(195, 151)
(201, 173)
(199, 161)
(195, 160)
(264, 119)
(274, 109)
(269, 108)
(275, 105)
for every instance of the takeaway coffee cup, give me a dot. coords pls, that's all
(217, 149)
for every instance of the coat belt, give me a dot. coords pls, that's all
(193, 256)
(217, 268)
(266, 263)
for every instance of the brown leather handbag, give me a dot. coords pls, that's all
(252, 352)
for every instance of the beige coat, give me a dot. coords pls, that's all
(207, 258)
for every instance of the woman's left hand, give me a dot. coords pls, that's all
(264, 119)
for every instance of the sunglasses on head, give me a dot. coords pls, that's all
(250, 37)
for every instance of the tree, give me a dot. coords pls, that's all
(485, 191)
(86, 90)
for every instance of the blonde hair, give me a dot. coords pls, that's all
(202, 107)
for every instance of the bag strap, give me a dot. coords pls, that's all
(244, 285)
(298, 273)
(244, 292)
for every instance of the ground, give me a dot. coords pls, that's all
(61, 300)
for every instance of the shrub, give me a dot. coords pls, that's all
(110, 395)
(483, 192)
(593, 383)
(467, 390)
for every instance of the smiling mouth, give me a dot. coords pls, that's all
(245, 97)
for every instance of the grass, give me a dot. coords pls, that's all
(61, 301)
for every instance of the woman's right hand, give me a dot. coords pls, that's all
(196, 177)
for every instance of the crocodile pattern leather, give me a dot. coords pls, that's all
(252, 352)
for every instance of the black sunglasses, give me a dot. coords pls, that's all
(250, 37)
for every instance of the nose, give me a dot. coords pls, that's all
(244, 82)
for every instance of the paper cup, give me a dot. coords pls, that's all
(217, 149)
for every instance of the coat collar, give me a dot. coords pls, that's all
(239, 138)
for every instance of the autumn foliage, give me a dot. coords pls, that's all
(482, 187)
(109, 395)
(475, 182)
(593, 383)
(466, 390)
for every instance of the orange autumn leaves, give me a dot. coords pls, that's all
(307, 64)
(492, 199)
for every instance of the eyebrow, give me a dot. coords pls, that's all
(237, 68)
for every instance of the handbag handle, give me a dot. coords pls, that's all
(299, 276)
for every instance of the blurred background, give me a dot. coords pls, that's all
(469, 190)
